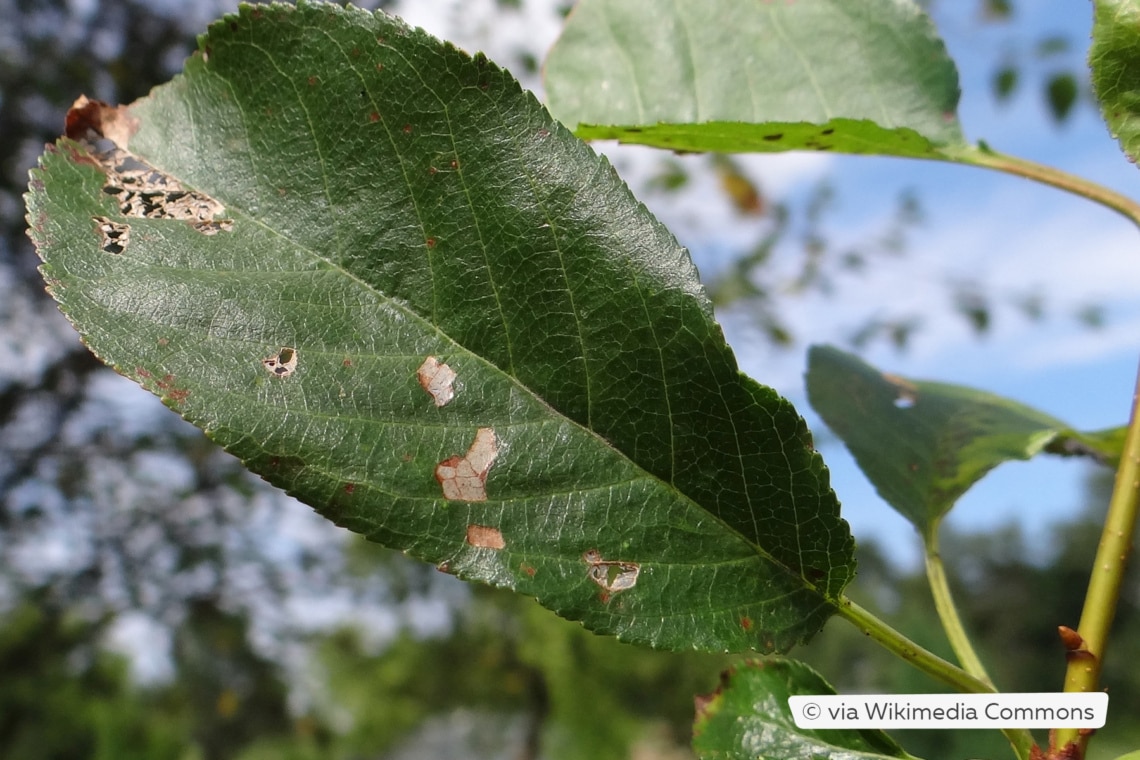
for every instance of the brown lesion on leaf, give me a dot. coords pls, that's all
(907, 392)
(612, 576)
(281, 364)
(113, 236)
(141, 190)
(169, 389)
(115, 123)
(438, 380)
(464, 478)
(485, 537)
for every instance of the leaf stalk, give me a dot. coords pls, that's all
(948, 611)
(987, 158)
(927, 662)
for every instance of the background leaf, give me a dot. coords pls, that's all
(374, 269)
(749, 717)
(854, 76)
(1115, 62)
(923, 444)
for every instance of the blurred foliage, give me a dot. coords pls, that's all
(515, 681)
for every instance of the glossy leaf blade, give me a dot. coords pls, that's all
(1114, 58)
(424, 308)
(923, 444)
(748, 717)
(853, 76)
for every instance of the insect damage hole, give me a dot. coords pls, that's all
(281, 364)
(613, 576)
(437, 379)
(465, 478)
(906, 390)
(115, 236)
(485, 537)
(141, 190)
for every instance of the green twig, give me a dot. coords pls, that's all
(947, 611)
(927, 662)
(1083, 672)
(1085, 662)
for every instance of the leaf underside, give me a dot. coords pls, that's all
(924, 444)
(378, 272)
(851, 76)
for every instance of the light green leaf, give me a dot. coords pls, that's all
(378, 272)
(853, 76)
(748, 717)
(1115, 61)
(923, 444)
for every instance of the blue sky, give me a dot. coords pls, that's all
(1011, 234)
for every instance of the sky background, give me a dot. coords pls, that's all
(1013, 235)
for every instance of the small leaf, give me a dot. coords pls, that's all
(1005, 82)
(1051, 46)
(1114, 58)
(1061, 91)
(748, 717)
(377, 271)
(998, 10)
(923, 444)
(854, 76)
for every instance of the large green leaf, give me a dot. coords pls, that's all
(1115, 61)
(748, 717)
(854, 76)
(383, 276)
(923, 444)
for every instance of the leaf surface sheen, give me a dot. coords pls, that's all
(749, 717)
(851, 76)
(398, 206)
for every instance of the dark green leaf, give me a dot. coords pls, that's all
(748, 717)
(1005, 82)
(923, 444)
(855, 76)
(392, 206)
(998, 10)
(1062, 94)
(1115, 61)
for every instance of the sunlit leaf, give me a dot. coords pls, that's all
(378, 272)
(854, 76)
(1115, 61)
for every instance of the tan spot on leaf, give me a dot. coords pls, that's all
(114, 237)
(464, 478)
(611, 575)
(907, 391)
(437, 379)
(114, 123)
(141, 190)
(281, 364)
(484, 537)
